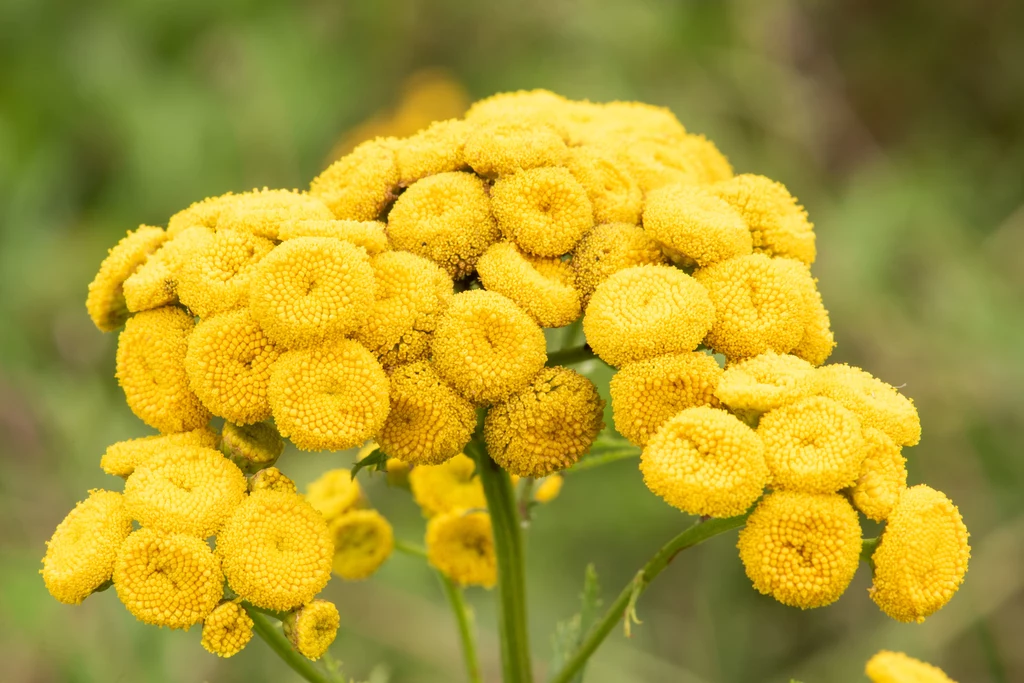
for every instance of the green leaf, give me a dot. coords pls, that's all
(569, 634)
(377, 461)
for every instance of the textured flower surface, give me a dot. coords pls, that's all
(334, 493)
(227, 630)
(363, 540)
(312, 628)
(461, 546)
(446, 487)
(106, 301)
(897, 667)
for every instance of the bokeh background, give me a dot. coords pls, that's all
(899, 125)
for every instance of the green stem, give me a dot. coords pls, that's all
(867, 549)
(410, 549)
(609, 456)
(465, 622)
(508, 546)
(573, 356)
(622, 607)
(280, 645)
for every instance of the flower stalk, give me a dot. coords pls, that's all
(282, 648)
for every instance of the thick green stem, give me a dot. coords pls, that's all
(623, 605)
(573, 356)
(627, 452)
(508, 546)
(465, 621)
(280, 645)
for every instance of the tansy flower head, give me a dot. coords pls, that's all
(261, 212)
(439, 148)
(363, 540)
(369, 235)
(876, 403)
(460, 545)
(613, 191)
(922, 556)
(445, 218)
(543, 210)
(712, 166)
(411, 294)
(204, 213)
(167, 579)
(185, 489)
(543, 287)
(155, 282)
(216, 273)
(312, 289)
(329, 398)
(428, 422)
(896, 667)
(271, 479)
(547, 426)
(694, 226)
(883, 476)
(106, 301)
(452, 485)
(548, 488)
(635, 120)
(486, 347)
(812, 445)
(777, 222)
(766, 382)
(501, 148)
(657, 162)
(758, 306)
(121, 458)
(361, 184)
(646, 311)
(648, 392)
(251, 447)
(276, 550)
(151, 370)
(818, 341)
(801, 548)
(80, 555)
(609, 248)
(535, 107)
(312, 628)
(334, 493)
(705, 461)
(227, 630)
(228, 364)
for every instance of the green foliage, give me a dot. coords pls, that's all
(570, 633)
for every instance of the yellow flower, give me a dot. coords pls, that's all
(546, 427)
(777, 222)
(334, 493)
(648, 392)
(896, 667)
(801, 548)
(312, 290)
(151, 370)
(635, 120)
(548, 488)
(818, 341)
(609, 248)
(813, 445)
(428, 422)
(647, 311)
(329, 398)
(363, 540)
(218, 269)
(361, 184)
(121, 458)
(766, 382)
(205, 213)
(534, 107)
(543, 210)
(445, 218)
(694, 226)
(876, 403)
(758, 306)
(704, 461)
(460, 545)
(883, 476)
(501, 148)
(228, 365)
(271, 479)
(369, 235)
(251, 447)
(185, 490)
(412, 292)
(80, 555)
(486, 347)
(227, 630)
(452, 485)
(604, 175)
(276, 550)
(105, 302)
(155, 282)
(312, 628)
(922, 556)
(543, 287)
(260, 212)
(439, 148)
(712, 165)
(659, 161)
(168, 579)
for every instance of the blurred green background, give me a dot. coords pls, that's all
(899, 125)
